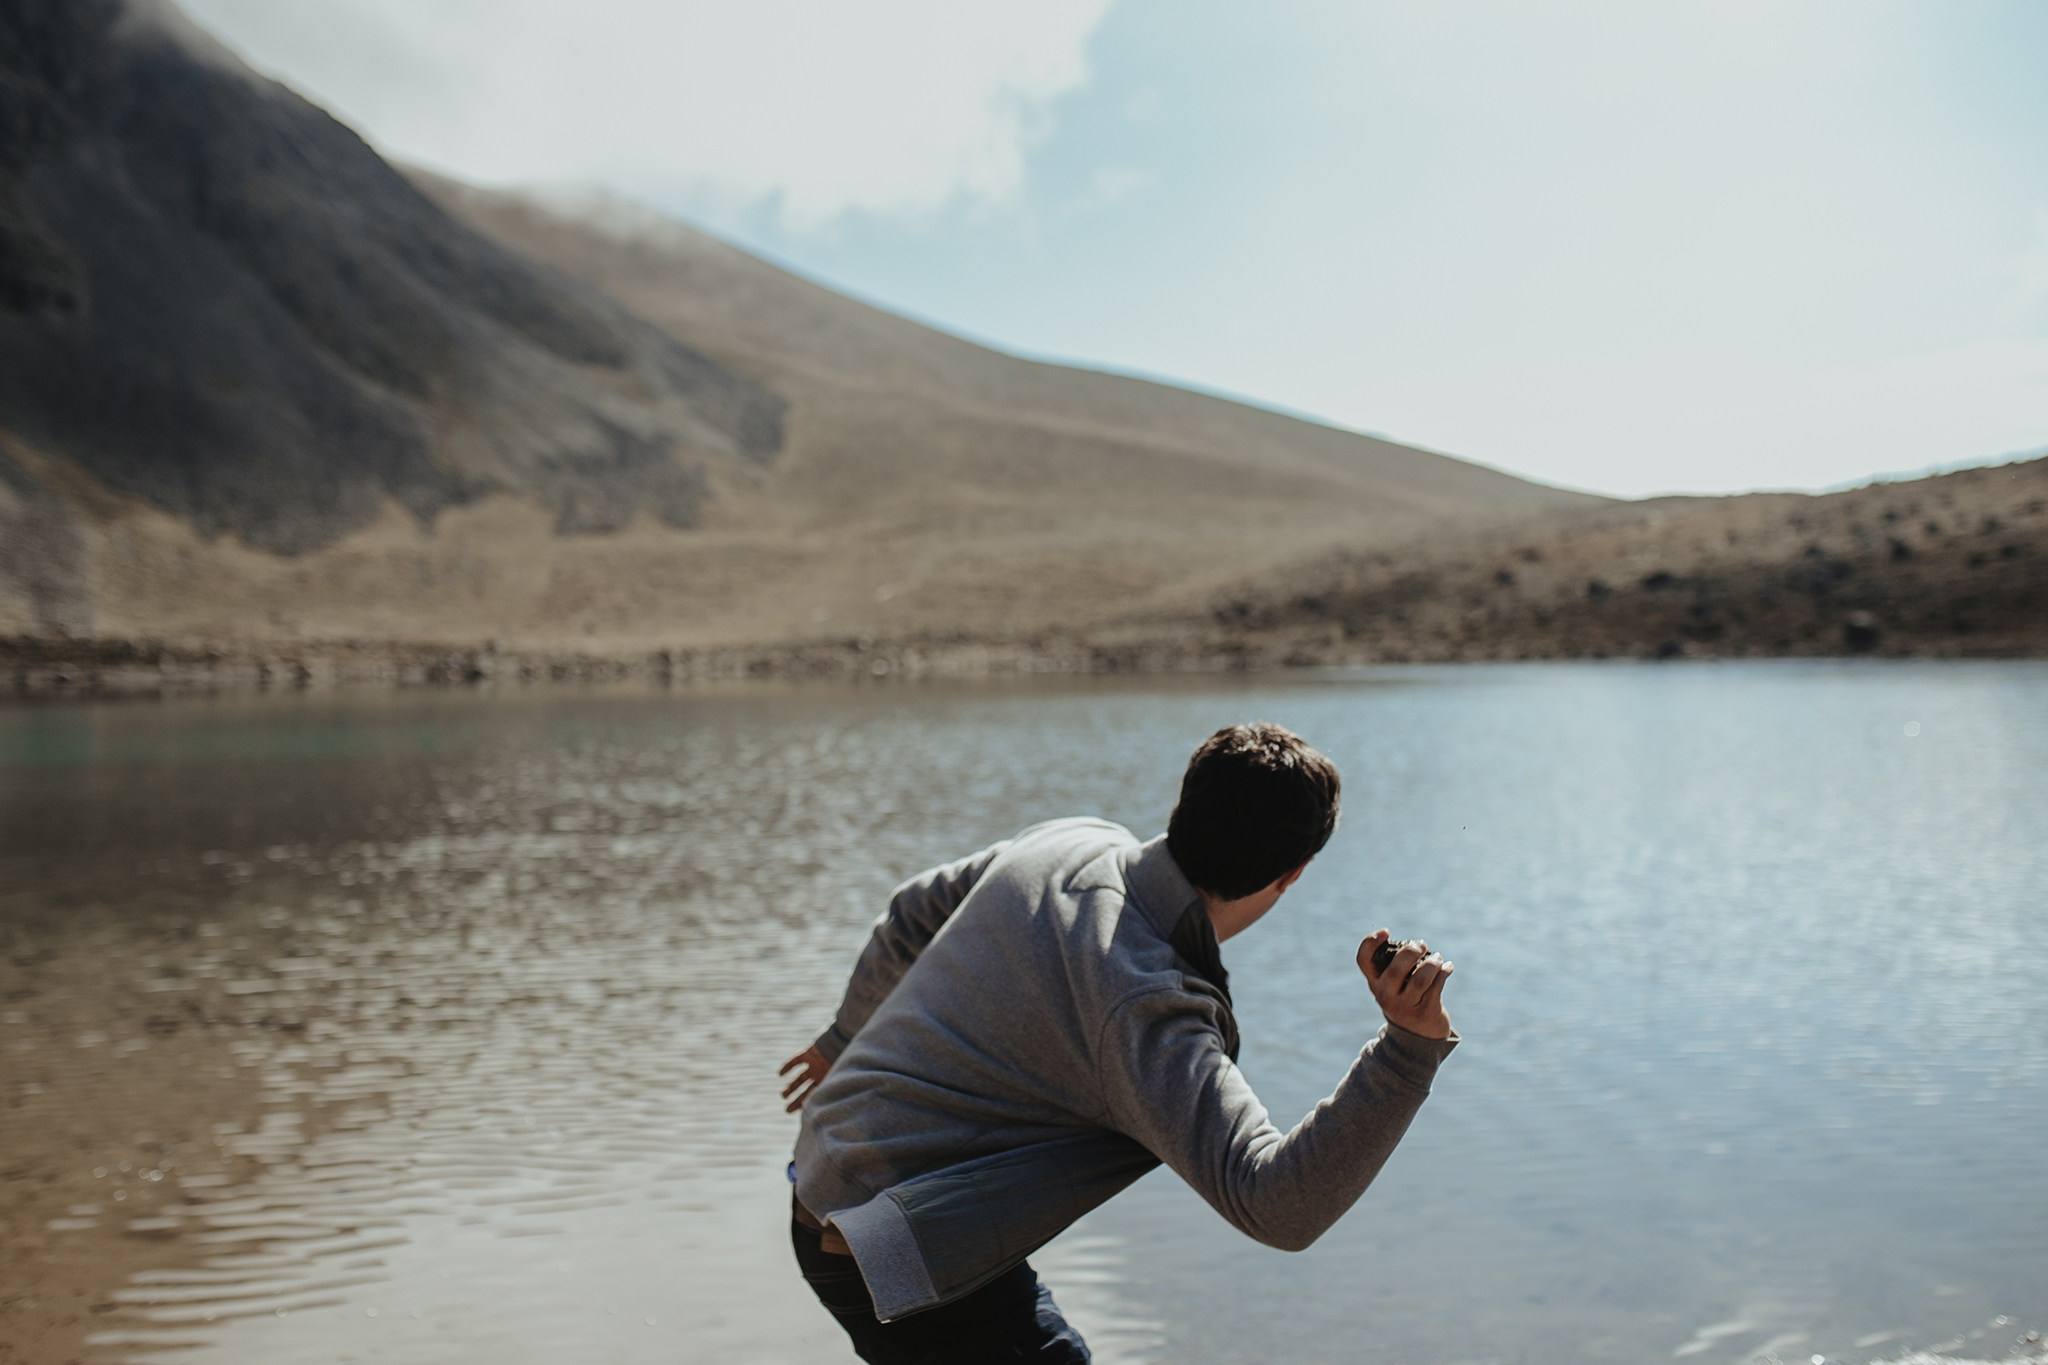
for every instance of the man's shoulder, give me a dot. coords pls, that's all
(1059, 849)
(1065, 860)
(1075, 830)
(1062, 891)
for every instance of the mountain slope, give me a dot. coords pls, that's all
(258, 388)
(932, 484)
(1955, 564)
(219, 300)
(789, 333)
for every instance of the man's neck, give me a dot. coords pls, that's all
(1232, 918)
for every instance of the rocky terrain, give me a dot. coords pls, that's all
(218, 302)
(1942, 567)
(1950, 565)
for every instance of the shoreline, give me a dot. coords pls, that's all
(56, 667)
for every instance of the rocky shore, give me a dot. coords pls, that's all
(30, 665)
(1954, 566)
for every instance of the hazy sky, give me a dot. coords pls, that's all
(1632, 247)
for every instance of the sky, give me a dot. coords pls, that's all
(1698, 246)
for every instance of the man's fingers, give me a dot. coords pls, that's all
(1410, 991)
(1428, 981)
(1398, 971)
(810, 1068)
(1416, 987)
(1433, 998)
(1366, 949)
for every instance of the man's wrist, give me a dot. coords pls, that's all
(1449, 1035)
(831, 1043)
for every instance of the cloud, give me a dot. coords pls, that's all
(818, 108)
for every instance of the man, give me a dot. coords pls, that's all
(1032, 1028)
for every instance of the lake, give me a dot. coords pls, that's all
(443, 1026)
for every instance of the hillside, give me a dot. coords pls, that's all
(219, 307)
(932, 485)
(256, 387)
(271, 409)
(1951, 565)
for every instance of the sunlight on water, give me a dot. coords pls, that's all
(444, 1027)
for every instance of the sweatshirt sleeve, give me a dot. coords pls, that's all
(1169, 1084)
(917, 910)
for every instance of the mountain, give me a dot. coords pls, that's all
(272, 408)
(931, 485)
(218, 303)
(258, 386)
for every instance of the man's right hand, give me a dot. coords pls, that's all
(1410, 991)
(810, 1067)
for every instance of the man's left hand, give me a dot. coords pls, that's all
(1410, 991)
(814, 1066)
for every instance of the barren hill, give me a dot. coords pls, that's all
(256, 386)
(933, 485)
(218, 303)
(1951, 565)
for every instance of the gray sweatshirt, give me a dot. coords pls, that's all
(1031, 1029)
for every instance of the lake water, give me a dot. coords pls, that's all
(442, 1027)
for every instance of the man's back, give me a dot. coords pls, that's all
(1063, 1026)
(1033, 1027)
(991, 1040)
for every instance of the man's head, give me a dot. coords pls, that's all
(1256, 804)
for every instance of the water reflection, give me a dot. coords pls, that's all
(514, 1057)
(444, 1027)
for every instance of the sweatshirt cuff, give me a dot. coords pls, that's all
(831, 1043)
(1411, 1058)
(884, 1247)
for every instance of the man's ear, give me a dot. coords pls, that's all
(1291, 878)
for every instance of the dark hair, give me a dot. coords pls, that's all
(1256, 803)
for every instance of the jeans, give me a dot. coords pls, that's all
(1012, 1317)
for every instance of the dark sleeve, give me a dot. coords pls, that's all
(1169, 1084)
(917, 910)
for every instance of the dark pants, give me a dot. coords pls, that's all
(1011, 1318)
